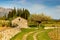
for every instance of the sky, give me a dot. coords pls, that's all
(48, 7)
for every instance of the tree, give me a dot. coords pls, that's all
(5, 17)
(40, 17)
(12, 13)
(25, 14)
(19, 12)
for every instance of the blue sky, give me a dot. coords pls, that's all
(48, 7)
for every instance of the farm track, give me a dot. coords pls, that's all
(35, 35)
(26, 35)
(7, 34)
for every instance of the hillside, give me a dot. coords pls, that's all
(4, 11)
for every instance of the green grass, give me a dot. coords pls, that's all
(30, 37)
(20, 35)
(40, 36)
(43, 35)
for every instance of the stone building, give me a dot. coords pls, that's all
(21, 22)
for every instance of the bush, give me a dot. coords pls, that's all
(4, 23)
(14, 25)
(9, 24)
(32, 25)
(41, 26)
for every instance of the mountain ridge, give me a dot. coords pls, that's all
(4, 11)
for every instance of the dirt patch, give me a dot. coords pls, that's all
(55, 34)
(4, 28)
(1, 36)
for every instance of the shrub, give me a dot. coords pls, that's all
(41, 26)
(33, 25)
(14, 25)
(9, 24)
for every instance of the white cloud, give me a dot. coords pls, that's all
(17, 2)
(57, 9)
(36, 8)
(23, 1)
(54, 12)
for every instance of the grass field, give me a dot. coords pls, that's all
(41, 35)
(20, 35)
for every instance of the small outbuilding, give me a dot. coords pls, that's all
(21, 22)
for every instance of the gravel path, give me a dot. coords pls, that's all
(9, 33)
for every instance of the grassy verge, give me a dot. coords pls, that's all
(43, 35)
(20, 35)
(30, 37)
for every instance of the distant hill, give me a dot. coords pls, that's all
(4, 11)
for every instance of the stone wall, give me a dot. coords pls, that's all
(21, 22)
